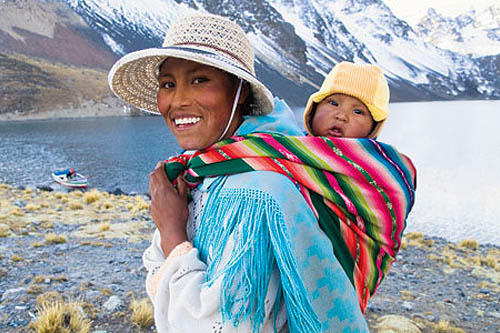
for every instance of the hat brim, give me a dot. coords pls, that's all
(133, 78)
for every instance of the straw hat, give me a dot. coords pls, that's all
(207, 39)
(364, 82)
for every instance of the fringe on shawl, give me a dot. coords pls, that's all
(260, 240)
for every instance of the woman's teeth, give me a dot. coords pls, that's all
(184, 121)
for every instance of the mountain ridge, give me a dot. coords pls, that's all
(296, 42)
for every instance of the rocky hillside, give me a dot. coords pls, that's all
(55, 54)
(51, 61)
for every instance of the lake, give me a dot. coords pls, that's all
(455, 147)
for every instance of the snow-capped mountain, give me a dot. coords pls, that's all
(298, 41)
(474, 32)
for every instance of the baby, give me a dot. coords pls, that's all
(352, 103)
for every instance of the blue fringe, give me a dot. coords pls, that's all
(260, 241)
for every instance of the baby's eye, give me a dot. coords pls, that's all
(199, 80)
(358, 111)
(332, 102)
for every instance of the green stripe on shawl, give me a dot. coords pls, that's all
(378, 229)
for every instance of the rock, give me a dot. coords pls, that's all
(45, 188)
(19, 203)
(57, 269)
(13, 293)
(396, 324)
(118, 191)
(407, 306)
(113, 304)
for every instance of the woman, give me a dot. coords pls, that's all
(247, 253)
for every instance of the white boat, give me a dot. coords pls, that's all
(69, 178)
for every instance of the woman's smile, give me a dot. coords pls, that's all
(183, 122)
(196, 102)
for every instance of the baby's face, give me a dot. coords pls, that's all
(341, 115)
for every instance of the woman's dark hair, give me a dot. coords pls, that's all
(248, 105)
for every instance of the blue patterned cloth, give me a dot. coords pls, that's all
(272, 226)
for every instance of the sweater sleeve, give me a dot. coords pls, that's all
(183, 302)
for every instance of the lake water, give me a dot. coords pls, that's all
(111, 152)
(455, 147)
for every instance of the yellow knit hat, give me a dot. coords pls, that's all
(364, 82)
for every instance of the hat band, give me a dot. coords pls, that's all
(216, 53)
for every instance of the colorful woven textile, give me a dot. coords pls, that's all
(360, 190)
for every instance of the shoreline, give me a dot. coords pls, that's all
(107, 107)
(435, 285)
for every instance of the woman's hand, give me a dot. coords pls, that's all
(169, 208)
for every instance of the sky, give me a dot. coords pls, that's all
(411, 11)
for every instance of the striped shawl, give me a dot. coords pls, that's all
(360, 190)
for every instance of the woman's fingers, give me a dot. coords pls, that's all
(181, 187)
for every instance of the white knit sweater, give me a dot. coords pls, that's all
(176, 288)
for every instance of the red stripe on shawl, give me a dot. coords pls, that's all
(212, 156)
(266, 164)
(279, 147)
(376, 199)
(373, 198)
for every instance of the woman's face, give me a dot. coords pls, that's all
(196, 101)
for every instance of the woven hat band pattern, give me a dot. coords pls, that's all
(217, 35)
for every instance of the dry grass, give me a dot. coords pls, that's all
(75, 205)
(49, 297)
(39, 278)
(106, 291)
(96, 244)
(52, 238)
(142, 312)
(107, 205)
(444, 327)
(143, 205)
(32, 207)
(414, 235)
(407, 295)
(17, 212)
(46, 224)
(470, 244)
(34, 289)
(16, 258)
(77, 194)
(37, 244)
(416, 239)
(4, 230)
(60, 317)
(490, 261)
(92, 196)
(105, 226)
